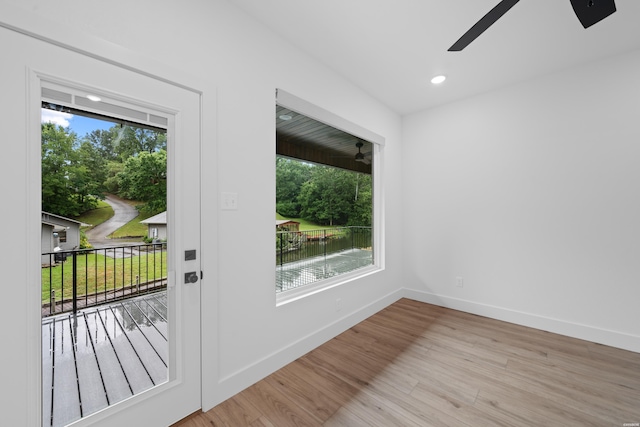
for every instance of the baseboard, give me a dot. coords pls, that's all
(239, 380)
(562, 327)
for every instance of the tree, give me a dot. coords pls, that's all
(123, 141)
(88, 176)
(362, 209)
(104, 142)
(329, 196)
(144, 178)
(133, 140)
(72, 174)
(322, 194)
(290, 176)
(112, 182)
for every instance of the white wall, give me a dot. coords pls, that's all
(237, 64)
(531, 195)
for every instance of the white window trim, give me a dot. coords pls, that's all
(292, 102)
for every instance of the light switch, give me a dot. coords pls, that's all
(229, 201)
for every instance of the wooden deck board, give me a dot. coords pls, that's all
(101, 356)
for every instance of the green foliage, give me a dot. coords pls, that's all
(124, 160)
(122, 141)
(116, 147)
(71, 173)
(133, 140)
(84, 242)
(290, 176)
(112, 184)
(102, 212)
(144, 178)
(323, 195)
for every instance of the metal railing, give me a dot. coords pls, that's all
(82, 278)
(303, 257)
(298, 245)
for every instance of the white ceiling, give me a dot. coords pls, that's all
(392, 48)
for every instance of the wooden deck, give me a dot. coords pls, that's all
(415, 364)
(101, 356)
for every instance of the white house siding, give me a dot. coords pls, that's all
(46, 242)
(62, 225)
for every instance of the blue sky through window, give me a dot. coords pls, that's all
(81, 125)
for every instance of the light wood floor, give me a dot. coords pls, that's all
(415, 364)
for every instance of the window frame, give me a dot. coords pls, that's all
(292, 102)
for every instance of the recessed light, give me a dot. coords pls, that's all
(438, 79)
(285, 117)
(93, 98)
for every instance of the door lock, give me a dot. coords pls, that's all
(191, 277)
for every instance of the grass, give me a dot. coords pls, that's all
(96, 216)
(98, 273)
(133, 228)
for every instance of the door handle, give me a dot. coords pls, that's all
(190, 277)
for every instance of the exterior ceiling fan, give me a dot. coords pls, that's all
(589, 12)
(360, 156)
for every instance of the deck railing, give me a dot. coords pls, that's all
(298, 245)
(304, 257)
(77, 279)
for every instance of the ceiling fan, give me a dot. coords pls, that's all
(589, 12)
(360, 156)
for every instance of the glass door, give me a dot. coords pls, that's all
(119, 295)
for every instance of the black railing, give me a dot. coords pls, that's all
(298, 245)
(77, 279)
(302, 256)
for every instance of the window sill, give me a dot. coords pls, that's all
(286, 297)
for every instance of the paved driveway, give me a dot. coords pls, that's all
(123, 213)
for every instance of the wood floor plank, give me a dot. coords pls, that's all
(277, 408)
(323, 379)
(514, 411)
(344, 417)
(575, 394)
(465, 413)
(237, 411)
(357, 371)
(304, 394)
(262, 422)
(603, 371)
(415, 364)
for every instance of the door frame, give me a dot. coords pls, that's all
(26, 24)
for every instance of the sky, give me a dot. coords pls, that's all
(79, 124)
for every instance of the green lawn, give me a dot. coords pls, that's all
(133, 228)
(95, 273)
(96, 216)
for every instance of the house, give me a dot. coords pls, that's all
(157, 226)
(517, 175)
(58, 232)
(287, 225)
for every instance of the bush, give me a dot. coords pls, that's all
(84, 242)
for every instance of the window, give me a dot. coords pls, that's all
(325, 198)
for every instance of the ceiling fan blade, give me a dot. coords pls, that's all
(593, 11)
(487, 20)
